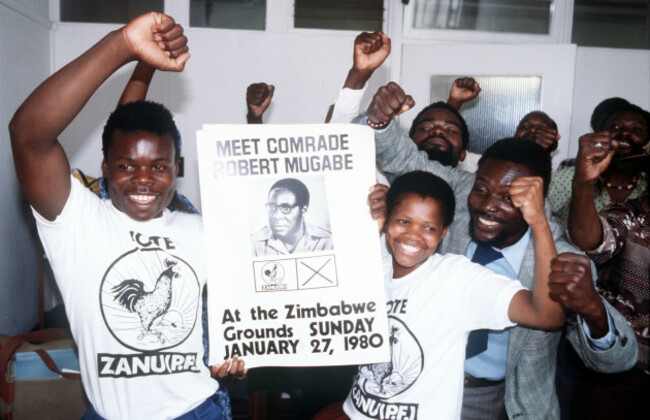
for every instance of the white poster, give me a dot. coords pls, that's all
(295, 270)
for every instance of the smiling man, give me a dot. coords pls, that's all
(126, 266)
(512, 372)
(288, 232)
(140, 135)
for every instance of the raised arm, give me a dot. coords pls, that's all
(41, 164)
(464, 89)
(138, 85)
(396, 152)
(571, 281)
(595, 152)
(389, 102)
(258, 99)
(370, 51)
(536, 308)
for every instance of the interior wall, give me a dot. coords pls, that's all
(307, 71)
(602, 73)
(307, 68)
(25, 52)
(554, 63)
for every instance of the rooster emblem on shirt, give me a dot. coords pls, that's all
(148, 305)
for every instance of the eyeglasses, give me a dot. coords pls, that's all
(284, 208)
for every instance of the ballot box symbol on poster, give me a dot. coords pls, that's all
(295, 274)
(317, 272)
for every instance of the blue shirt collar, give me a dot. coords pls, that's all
(514, 253)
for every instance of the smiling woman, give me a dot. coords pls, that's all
(420, 208)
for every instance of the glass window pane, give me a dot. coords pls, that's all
(495, 114)
(612, 23)
(357, 15)
(519, 16)
(228, 14)
(107, 11)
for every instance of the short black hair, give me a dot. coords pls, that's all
(296, 187)
(604, 110)
(442, 105)
(548, 117)
(522, 152)
(426, 185)
(140, 116)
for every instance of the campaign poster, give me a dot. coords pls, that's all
(295, 273)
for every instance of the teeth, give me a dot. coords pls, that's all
(487, 222)
(142, 198)
(410, 249)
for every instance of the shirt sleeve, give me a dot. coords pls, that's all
(616, 221)
(347, 105)
(487, 295)
(603, 343)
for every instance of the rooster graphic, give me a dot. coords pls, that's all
(148, 305)
(381, 373)
(272, 273)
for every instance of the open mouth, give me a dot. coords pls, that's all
(141, 198)
(409, 249)
(487, 222)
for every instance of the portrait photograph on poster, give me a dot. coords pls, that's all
(295, 276)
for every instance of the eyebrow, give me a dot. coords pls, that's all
(130, 159)
(445, 121)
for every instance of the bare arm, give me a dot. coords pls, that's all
(464, 89)
(138, 85)
(536, 308)
(370, 51)
(41, 164)
(595, 152)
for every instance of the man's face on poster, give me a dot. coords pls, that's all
(285, 215)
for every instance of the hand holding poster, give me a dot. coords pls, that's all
(295, 271)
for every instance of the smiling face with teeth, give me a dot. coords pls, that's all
(494, 219)
(140, 171)
(414, 230)
(630, 130)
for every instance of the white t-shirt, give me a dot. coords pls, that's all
(430, 313)
(132, 293)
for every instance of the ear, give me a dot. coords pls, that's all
(444, 232)
(462, 155)
(303, 209)
(104, 168)
(178, 166)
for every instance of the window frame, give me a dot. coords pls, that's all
(559, 32)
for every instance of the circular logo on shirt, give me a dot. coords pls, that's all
(388, 379)
(150, 299)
